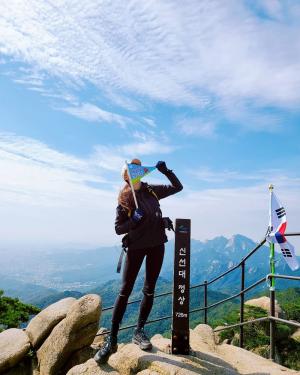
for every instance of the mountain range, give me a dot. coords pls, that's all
(46, 275)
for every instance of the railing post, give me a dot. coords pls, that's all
(205, 302)
(272, 323)
(242, 303)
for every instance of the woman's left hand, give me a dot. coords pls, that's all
(161, 166)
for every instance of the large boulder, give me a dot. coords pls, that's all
(14, 345)
(202, 336)
(264, 303)
(76, 331)
(42, 324)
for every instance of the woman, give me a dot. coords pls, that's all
(146, 238)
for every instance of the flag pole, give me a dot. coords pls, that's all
(272, 285)
(131, 185)
(272, 246)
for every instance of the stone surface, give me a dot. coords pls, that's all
(92, 368)
(131, 360)
(203, 335)
(98, 341)
(22, 368)
(14, 345)
(247, 362)
(79, 357)
(264, 303)
(205, 358)
(74, 332)
(41, 325)
(161, 343)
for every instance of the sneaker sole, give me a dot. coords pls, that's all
(143, 347)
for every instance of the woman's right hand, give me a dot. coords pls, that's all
(138, 215)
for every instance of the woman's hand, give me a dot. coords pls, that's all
(138, 215)
(161, 166)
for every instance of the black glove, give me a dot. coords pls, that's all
(168, 224)
(161, 166)
(137, 215)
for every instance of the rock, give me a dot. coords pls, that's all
(76, 331)
(222, 360)
(126, 360)
(14, 345)
(98, 341)
(22, 368)
(79, 357)
(41, 325)
(130, 359)
(91, 368)
(264, 303)
(203, 336)
(247, 362)
(296, 335)
(161, 343)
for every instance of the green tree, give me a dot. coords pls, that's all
(256, 336)
(13, 312)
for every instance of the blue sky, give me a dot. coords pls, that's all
(211, 87)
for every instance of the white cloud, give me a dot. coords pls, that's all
(93, 113)
(208, 175)
(112, 157)
(49, 198)
(32, 172)
(147, 148)
(188, 53)
(196, 127)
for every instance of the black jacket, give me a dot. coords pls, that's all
(150, 231)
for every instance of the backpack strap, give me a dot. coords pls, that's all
(151, 191)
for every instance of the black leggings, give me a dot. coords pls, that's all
(133, 262)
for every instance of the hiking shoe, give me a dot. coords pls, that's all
(109, 347)
(140, 338)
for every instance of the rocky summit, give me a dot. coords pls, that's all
(61, 340)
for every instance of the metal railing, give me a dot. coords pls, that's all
(271, 318)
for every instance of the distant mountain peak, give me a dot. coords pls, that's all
(218, 238)
(239, 241)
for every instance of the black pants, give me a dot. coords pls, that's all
(133, 261)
